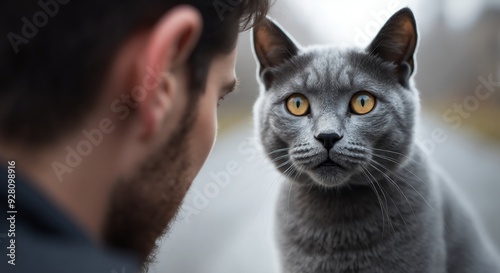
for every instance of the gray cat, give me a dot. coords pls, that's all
(360, 196)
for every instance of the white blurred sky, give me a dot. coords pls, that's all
(339, 23)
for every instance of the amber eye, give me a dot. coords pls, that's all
(362, 103)
(297, 105)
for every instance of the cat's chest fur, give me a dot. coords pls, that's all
(362, 229)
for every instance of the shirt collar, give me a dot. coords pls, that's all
(37, 212)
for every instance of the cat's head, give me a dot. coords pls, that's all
(328, 116)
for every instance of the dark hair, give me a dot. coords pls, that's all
(57, 52)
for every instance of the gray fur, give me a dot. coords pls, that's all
(384, 207)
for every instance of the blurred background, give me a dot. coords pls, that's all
(226, 223)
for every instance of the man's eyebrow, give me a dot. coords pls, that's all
(230, 87)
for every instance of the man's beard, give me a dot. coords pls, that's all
(142, 207)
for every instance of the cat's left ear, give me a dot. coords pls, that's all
(397, 42)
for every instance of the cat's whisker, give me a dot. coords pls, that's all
(408, 183)
(285, 173)
(278, 180)
(400, 165)
(284, 164)
(262, 166)
(400, 154)
(278, 158)
(297, 174)
(288, 207)
(310, 188)
(372, 185)
(385, 198)
(421, 196)
(391, 181)
(279, 150)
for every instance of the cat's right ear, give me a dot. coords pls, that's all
(273, 47)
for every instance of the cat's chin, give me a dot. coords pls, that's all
(330, 176)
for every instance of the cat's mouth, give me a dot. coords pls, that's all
(329, 164)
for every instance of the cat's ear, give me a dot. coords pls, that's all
(397, 42)
(273, 47)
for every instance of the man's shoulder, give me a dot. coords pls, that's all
(40, 237)
(55, 255)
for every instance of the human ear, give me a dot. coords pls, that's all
(169, 45)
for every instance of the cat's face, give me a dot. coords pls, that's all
(328, 116)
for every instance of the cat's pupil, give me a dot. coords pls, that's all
(363, 102)
(297, 103)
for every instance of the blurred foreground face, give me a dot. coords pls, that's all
(143, 206)
(110, 117)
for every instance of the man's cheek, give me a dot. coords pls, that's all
(203, 137)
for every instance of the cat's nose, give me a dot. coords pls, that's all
(328, 140)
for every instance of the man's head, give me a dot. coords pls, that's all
(117, 100)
